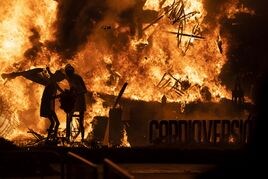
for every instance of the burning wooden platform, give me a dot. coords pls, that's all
(133, 117)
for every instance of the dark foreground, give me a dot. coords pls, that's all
(63, 162)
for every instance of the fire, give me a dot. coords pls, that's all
(231, 139)
(235, 8)
(18, 17)
(140, 54)
(124, 140)
(151, 5)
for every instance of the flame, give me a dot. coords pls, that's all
(18, 17)
(234, 7)
(151, 5)
(124, 140)
(141, 60)
(231, 139)
(163, 55)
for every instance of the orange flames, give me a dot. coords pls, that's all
(105, 66)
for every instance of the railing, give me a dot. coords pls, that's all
(79, 167)
(112, 170)
(43, 164)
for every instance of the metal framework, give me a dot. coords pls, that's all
(178, 17)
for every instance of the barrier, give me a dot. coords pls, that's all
(79, 167)
(112, 170)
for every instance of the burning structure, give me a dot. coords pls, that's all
(171, 48)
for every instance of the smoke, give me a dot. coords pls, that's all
(214, 10)
(247, 57)
(36, 45)
(120, 5)
(75, 22)
(79, 23)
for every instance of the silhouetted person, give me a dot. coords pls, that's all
(47, 108)
(234, 96)
(78, 89)
(238, 93)
(48, 102)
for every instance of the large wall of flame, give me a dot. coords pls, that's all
(105, 43)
